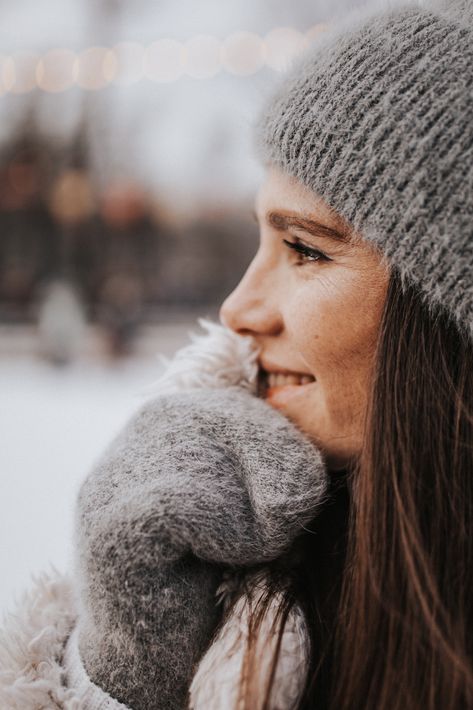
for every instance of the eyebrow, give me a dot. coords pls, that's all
(283, 221)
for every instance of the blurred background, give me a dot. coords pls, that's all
(127, 180)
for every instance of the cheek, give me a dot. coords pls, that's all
(335, 332)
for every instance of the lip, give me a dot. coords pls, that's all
(278, 393)
(279, 396)
(271, 367)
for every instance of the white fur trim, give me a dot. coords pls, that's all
(217, 358)
(31, 646)
(34, 668)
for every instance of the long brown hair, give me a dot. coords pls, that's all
(386, 581)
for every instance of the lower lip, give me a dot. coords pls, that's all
(283, 393)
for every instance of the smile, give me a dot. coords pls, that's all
(276, 379)
(270, 383)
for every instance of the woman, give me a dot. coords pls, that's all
(360, 302)
(377, 124)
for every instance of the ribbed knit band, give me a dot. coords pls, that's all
(377, 119)
(92, 697)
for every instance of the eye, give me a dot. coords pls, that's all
(308, 254)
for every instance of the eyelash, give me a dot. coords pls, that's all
(306, 251)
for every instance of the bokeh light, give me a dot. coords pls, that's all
(282, 45)
(242, 53)
(122, 204)
(95, 67)
(203, 56)
(23, 179)
(130, 59)
(71, 198)
(313, 32)
(19, 72)
(3, 88)
(55, 71)
(164, 60)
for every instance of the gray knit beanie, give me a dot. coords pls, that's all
(377, 119)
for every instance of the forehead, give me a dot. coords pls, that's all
(280, 191)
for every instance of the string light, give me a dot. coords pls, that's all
(3, 84)
(202, 58)
(95, 67)
(282, 45)
(166, 60)
(313, 32)
(242, 53)
(55, 70)
(19, 72)
(130, 63)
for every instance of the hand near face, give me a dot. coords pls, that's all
(196, 482)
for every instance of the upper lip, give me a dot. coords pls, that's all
(271, 367)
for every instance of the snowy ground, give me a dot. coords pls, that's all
(54, 423)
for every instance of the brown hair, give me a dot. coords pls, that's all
(385, 582)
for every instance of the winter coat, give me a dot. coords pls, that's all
(256, 500)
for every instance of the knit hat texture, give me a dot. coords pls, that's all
(377, 119)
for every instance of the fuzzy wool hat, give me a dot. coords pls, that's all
(377, 119)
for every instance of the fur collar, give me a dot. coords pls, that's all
(31, 646)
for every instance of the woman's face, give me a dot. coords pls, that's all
(314, 314)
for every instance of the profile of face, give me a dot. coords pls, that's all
(312, 298)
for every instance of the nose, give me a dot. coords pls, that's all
(252, 307)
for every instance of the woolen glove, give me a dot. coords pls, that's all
(197, 482)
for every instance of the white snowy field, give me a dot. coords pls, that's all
(55, 422)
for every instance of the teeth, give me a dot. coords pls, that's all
(276, 379)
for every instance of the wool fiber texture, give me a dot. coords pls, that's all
(198, 482)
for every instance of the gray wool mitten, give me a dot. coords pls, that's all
(197, 482)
